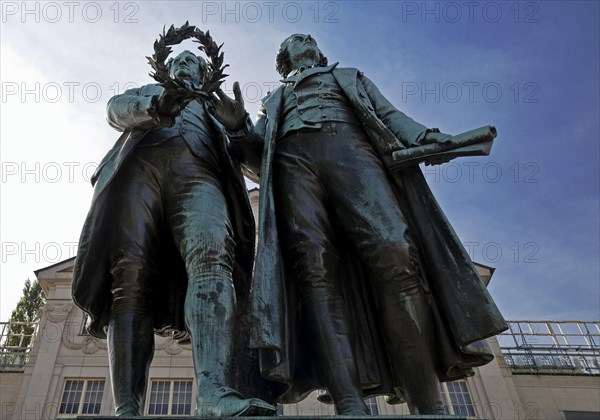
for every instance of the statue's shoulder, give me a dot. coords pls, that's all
(144, 90)
(270, 96)
(348, 71)
(151, 88)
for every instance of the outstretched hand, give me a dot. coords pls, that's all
(230, 112)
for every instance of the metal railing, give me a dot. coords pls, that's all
(16, 342)
(536, 347)
(552, 347)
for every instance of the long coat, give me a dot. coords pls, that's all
(463, 310)
(91, 288)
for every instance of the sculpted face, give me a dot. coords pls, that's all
(186, 66)
(302, 50)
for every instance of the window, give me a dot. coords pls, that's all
(372, 405)
(456, 398)
(82, 396)
(170, 397)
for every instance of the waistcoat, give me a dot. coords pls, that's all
(313, 100)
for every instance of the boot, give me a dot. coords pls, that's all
(130, 338)
(210, 317)
(130, 351)
(327, 327)
(407, 321)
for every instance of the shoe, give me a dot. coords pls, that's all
(227, 402)
(127, 412)
(352, 407)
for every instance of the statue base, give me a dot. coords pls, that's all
(403, 417)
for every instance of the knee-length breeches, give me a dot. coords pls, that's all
(164, 194)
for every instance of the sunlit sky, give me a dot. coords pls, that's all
(530, 210)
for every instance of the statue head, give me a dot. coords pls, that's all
(296, 51)
(188, 66)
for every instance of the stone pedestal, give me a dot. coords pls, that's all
(405, 417)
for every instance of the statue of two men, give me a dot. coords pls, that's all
(360, 285)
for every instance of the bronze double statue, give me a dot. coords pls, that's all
(360, 284)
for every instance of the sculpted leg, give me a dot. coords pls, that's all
(404, 308)
(200, 224)
(134, 230)
(130, 345)
(327, 327)
(306, 232)
(404, 311)
(209, 315)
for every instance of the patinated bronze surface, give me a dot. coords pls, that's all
(168, 246)
(361, 285)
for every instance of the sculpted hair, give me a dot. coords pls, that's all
(283, 64)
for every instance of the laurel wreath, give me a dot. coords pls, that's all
(173, 36)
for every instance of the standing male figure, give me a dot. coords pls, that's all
(168, 245)
(332, 209)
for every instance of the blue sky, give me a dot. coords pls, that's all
(531, 209)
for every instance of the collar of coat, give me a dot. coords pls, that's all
(303, 72)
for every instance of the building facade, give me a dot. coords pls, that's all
(542, 370)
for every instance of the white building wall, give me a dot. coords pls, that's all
(10, 385)
(548, 396)
(61, 352)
